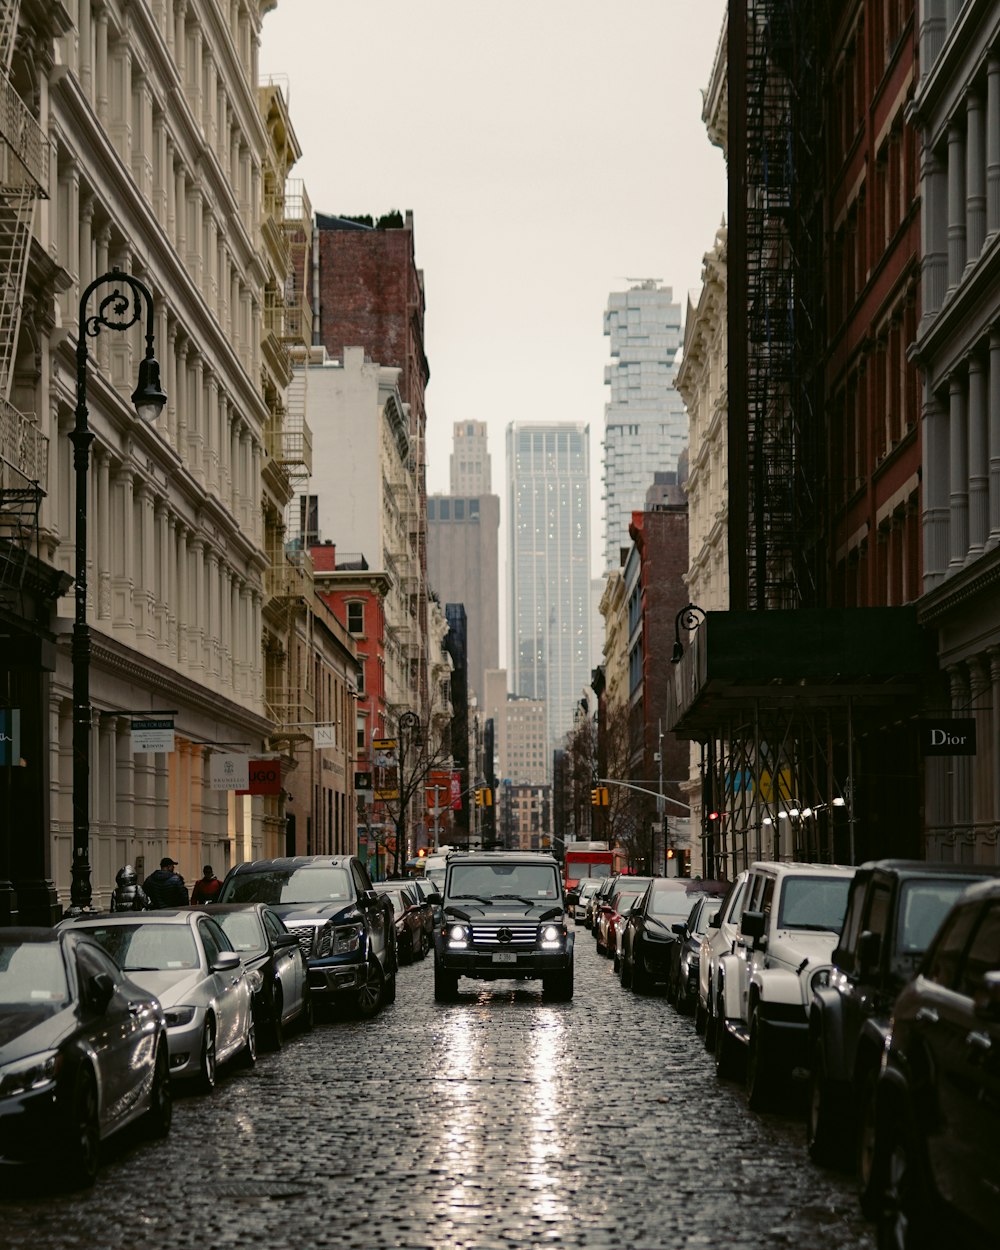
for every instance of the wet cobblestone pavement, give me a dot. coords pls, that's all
(490, 1124)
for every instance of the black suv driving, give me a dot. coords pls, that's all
(344, 927)
(504, 918)
(894, 909)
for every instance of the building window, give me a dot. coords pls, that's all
(361, 738)
(355, 618)
(445, 511)
(459, 509)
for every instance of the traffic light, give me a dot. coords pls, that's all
(599, 796)
(421, 852)
(488, 796)
(479, 798)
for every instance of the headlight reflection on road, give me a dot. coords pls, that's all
(546, 1147)
(461, 1118)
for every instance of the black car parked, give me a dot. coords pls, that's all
(83, 1053)
(408, 910)
(684, 955)
(649, 932)
(261, 939)
(344, 927)
(937, 1120)
(894, 909)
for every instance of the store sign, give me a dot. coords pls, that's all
(264, 777)
(324, 736)
(153, 735)
(362, 781)
(228, 772)
(948, 737)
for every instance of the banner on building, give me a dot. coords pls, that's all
(228, 772)
(456, 791)
(10, 736)
(384, 751)
(153, 735)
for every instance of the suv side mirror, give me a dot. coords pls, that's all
(433, 897)
(715, 922)
(986, 999)
(680, 929)
(752, 924)
(869, 950)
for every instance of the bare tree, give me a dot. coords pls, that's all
(419, 751)
(622, 815)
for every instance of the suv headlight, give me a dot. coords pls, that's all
(551, 937)
(459, 936)
(347, 938)
(34, 1072)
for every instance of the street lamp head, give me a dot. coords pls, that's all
(148, 397)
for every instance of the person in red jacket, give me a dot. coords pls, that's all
(206, 889)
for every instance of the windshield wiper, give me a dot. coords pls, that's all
(478, 897)
(528, 902)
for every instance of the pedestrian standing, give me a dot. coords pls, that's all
(165, 886)
(128, 894)
(206, 888)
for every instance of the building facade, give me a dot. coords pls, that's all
(645, 425)
(548, 566)
(469, 465)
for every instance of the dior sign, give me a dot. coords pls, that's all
(948, 737)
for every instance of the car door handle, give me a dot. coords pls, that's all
(927, 1015)
(979, 1044)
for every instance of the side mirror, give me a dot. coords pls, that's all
(680, 929)
(434, 898)
(101, 990)
(716, 921)
(752, 924)
(226, 961)
(285, 939)
(869, 951)
(986, 999)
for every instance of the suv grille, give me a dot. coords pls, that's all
(305, 934)
(521, 934)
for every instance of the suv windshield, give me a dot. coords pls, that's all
(813, 903)
(295, 885)
(922, 907)
(487, 882)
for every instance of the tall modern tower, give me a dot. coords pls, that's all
(548, 566)
(470, 461)
(645, 423)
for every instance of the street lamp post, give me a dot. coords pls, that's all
(409, 727)
(119, 310)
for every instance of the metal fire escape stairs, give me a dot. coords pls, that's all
(24, 159)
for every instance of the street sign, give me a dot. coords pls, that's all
(383, 796)
(153, 735)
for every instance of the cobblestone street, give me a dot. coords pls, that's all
(494, 1123)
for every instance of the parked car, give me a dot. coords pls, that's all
(504, 918)
(585, 892)
(684, 955)
(184, 957)
(83, 1053)
(425, 888)
(646, 933)
(791, 920)
(601, 899)
(937, 1117)
(344, 927)
(604, 924)
(408, 918)
(613, 918)
(894, 909)
(266, 947)
(718, 941)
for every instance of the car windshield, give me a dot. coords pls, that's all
(529, 882)
(922, 907)
(624, 900)
(578, 870)
(813, 903)
(32, 974)
(148, 947)
(243, 929)
(671, 903)
(293, 885)
(588, 888)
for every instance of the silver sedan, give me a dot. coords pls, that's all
(188, 962)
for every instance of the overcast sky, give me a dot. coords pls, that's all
(549, 149)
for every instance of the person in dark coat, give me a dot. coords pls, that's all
(165, 886)
(128, 894)
(206, 889)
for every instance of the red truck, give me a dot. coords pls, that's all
(582, 860)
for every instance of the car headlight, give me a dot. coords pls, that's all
(255, 981)
(820, 980)
(178, 1016)
(33, 1072)
(347, 938)
(458, 936)
(551, 937)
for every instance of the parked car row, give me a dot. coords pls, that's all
(101, 1015)
(880, 987)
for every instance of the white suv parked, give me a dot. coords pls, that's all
(788, 927)
(720, 940)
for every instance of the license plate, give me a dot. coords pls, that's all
(504, 957)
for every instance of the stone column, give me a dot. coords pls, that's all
(102, 344)
(196, 632)
(103, 464)
(183, 595)
(956, 203)
(196, 425)
(936, 471)
(980, 710)
(958, 455)
(993, 145)
(86, 52)
(172, 586)
(993, 759)
(212, 641)
(163, 542)
(123, 543)
(87, 274)
(180, 38)
(183, 390)
(975, 178)
(994, 437)
(101, 63)
(979, 458)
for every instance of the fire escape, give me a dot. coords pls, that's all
(23, 448)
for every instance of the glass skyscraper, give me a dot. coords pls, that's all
(548, 567)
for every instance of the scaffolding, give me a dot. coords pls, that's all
(783, 180)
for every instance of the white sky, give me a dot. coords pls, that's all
(549, 149)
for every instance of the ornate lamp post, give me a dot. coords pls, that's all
(409, 728)
(118, 311)
(688, 619)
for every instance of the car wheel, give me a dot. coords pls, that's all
(161, 1102)
(904, 1215)
(700, 1017)
(445, 984)
(206, 1076)
(642, 983)
(83, 1148)
(870, 1183)
(425, 945)
(558, 986)
(276, 1027)
(371, 995)
(823, 1133)
(727, 1066)
(760, 1081)
(248, 1055)
(625, 972)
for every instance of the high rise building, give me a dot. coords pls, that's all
(462, 549)
(645, 423)
(549, 596)
(470, 461)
